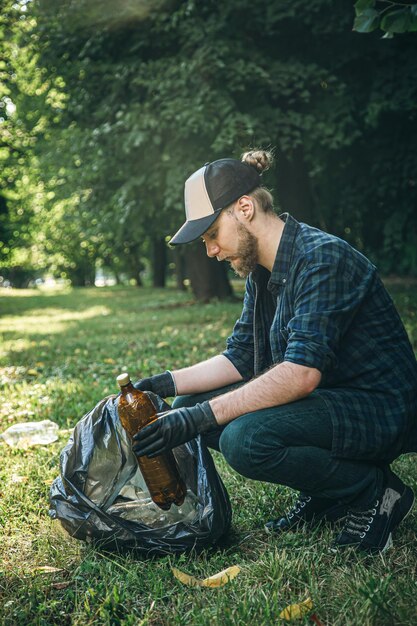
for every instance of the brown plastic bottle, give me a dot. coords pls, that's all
(161, 472)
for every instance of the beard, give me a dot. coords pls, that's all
(247, 252)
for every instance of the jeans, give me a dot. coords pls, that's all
(291, 445)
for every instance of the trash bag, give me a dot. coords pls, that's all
(101, 496)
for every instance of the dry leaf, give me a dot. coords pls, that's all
(60, 585)
(217, 580)
(47, 569)
(296, 611)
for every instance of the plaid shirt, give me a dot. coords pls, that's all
(324, 306)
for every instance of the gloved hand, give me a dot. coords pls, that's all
(172, 428)
(161, 384)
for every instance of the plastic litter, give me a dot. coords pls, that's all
(28, 434)
(101, 496)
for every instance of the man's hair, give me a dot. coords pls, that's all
(261, 160)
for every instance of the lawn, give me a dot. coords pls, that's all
(60, 354)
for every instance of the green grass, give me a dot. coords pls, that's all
(60, 354)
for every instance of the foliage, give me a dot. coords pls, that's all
(117, 106)
(16, 144)
(59, 355)
(390, 16)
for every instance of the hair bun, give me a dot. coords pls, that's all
(261, 160)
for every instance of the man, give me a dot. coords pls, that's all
(317, 387)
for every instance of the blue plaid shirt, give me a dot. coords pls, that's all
(324, 306)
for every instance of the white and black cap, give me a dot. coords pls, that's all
(209, 190)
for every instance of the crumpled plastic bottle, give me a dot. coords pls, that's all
(27, 434)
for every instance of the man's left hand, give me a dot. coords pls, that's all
(172, 428)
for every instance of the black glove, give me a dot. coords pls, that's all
(173, 428)
(161, 384)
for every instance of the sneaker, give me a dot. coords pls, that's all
(307, 510)
(371, 529)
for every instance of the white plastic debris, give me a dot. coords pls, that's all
(27, 434)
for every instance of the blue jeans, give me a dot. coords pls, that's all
(291, 445)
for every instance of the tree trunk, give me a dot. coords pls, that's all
(83, 275)
(136, 275)
(293, 183)
(208, 277)
(159, 262)
(136, 265)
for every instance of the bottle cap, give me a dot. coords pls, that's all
(123, 379)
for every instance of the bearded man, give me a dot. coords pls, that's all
(317, 386)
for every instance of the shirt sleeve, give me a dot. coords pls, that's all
(326, 299)
(240, 344)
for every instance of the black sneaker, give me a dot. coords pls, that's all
(307, 510)
(371, 529)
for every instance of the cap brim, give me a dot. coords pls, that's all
(193, 229)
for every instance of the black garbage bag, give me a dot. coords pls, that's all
(101, 496)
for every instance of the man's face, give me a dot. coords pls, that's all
(230, 240)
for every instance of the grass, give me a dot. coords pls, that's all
(60, 354)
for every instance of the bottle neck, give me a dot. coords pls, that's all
(128, 388)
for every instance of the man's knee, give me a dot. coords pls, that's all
(231, 447)
(246, 449)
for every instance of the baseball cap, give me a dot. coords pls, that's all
(209, 190)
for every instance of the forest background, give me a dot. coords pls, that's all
(107, 107)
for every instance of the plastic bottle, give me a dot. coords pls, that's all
(160, 473)
(27, 434)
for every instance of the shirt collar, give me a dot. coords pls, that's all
(278, 277)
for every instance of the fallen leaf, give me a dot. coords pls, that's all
(47, 569)
(32, 372)
(217, 580)
(296, 611)
(110, 361)
(60, 585)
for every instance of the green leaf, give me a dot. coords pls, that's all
(367, 21)
(361, 5)
(397, 21)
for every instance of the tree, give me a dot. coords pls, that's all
(17, 138)
(154, 96)
(135, 99)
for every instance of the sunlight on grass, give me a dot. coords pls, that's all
(50, 320)
(10, 292)
(17, 344)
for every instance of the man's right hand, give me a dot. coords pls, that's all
(161, 384)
